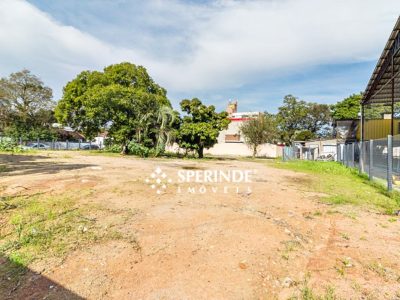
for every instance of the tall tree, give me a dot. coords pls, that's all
(258, 131)
(168, 123)
(348, 108)
(298, 119)
(318, 117)
(291, 118)
(26, 104)
(201, 126)
(123, 98)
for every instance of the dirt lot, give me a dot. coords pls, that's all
(277, 241)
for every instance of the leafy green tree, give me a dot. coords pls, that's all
(348, 108)
(201, 126)
(318, 117)
(258, 131)
(304, 135)
(297, 118)
(26, 106)
(291, 118)
(123, 99)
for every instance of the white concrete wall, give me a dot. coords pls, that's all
(241, 149)
(324, 147)
(237, 149)
(233, 128)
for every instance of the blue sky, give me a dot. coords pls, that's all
(253, 51)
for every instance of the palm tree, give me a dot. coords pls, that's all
(145, 122)
(166, 133)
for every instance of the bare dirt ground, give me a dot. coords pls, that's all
(271, 243)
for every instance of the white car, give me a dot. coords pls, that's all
(39, 146)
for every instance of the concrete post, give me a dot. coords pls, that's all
(371, 159)
(361, 159)
(389, 163)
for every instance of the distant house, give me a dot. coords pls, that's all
(232, 134)
(231, 141)
(66, 133)
(100, 139)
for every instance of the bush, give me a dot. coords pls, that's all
(133, 148)
(140, 150)
(113, 148)
(31, 133)
(9, 145)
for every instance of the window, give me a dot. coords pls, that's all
(232, 138)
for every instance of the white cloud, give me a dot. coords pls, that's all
(223, 44)
(33, 40)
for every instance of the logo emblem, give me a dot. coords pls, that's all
(158, 180)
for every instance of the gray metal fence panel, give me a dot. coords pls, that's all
(40, 144)
(379, 158)
(396, 157)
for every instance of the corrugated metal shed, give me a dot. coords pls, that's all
(380, 88)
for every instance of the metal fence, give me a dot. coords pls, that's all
(289, 153)
(304, 153)
(40, 144)
(379, 159)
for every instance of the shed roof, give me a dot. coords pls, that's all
(379, 88)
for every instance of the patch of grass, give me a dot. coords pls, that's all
(342, 265)
(384, 272)
(100, 152)
(3, 168)
(341, 270)
(24, 152)
(344, 185)
(43, 226)
(307, 293)
(345, 236)
(290, 246)
(377, 268)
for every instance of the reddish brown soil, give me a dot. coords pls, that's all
(258, 245)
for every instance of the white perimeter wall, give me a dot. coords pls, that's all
(237, 149)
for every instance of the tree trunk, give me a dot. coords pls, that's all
(124, 149)
(254, 151)
(200, 152)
